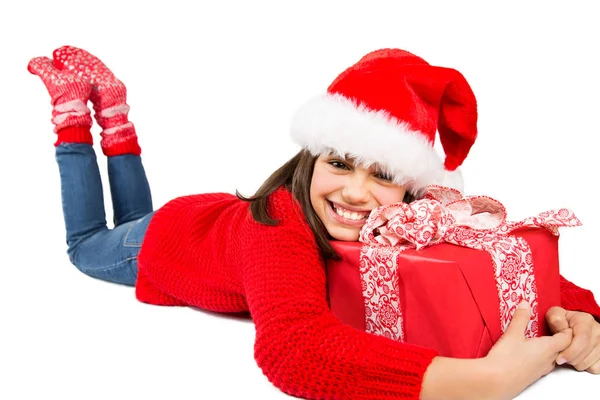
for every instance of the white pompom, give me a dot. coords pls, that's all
(453, 179)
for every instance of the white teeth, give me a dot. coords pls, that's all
(353, 215)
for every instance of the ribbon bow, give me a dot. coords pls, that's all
(444, 215)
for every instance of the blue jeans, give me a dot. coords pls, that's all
(96, 250)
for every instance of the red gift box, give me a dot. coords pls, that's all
(415, 286)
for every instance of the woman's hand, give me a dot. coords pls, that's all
(520, 361)
(584, 351)
(514, 363)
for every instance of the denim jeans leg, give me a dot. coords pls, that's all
(129, 188)
(111, 254)
(81, 191)
(108, 254)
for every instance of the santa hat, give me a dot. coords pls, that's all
(386, 110)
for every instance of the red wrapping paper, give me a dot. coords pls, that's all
(448, 294)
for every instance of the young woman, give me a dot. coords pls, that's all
(367, 142)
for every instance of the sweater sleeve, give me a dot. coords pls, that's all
(300, 346)
(574, 298)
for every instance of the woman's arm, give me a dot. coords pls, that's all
(461, 379)
(300, 346)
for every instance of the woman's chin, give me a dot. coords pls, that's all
(345, 234)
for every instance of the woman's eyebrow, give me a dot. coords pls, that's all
(345, 157)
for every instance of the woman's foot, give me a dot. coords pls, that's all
(69, 95)
(108, 96)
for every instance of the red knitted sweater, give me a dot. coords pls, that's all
(207, 251)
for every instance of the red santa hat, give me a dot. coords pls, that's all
(386, 110)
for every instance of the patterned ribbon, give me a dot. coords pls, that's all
(444, 215)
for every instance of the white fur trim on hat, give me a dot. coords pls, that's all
(332, 122)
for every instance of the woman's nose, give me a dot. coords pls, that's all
(355, 191)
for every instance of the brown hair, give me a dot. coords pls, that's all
(296, 176)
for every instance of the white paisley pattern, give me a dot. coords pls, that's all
(444, 215)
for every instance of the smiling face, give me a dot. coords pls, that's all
(343, 194)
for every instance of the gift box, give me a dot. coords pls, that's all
(447, 272)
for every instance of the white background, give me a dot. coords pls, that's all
(212, 89)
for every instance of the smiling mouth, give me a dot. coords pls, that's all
(353, 216)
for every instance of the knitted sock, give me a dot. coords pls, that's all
(69, 95)
(109, 97)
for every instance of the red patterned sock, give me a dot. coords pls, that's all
(69, 95)
(109, 97)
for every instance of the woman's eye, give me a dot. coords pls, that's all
(384, 177)
(338, 165)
